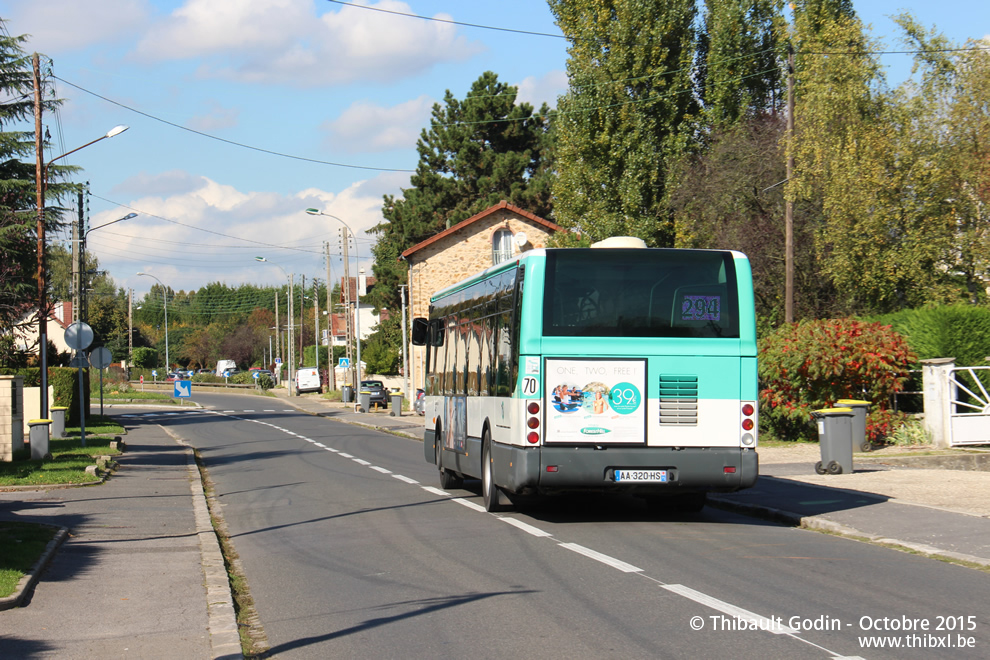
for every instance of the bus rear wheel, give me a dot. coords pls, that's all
(490, 493)
(448, 479)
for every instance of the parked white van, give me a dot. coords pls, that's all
(225, 365)
(308, 380)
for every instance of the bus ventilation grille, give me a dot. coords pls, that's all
(679, 400)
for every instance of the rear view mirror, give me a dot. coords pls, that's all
(420, 331)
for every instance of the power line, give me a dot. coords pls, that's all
(448, 21)
(230, 142)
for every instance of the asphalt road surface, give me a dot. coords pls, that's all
(352, 550)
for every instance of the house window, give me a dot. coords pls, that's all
(501, 246)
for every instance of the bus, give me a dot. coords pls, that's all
(613, 368)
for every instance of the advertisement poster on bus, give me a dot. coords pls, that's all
(595, 401)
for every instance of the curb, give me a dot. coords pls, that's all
(32, 576)
(814, 523)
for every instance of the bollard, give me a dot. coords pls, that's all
(58, 421)
(396, 404)
(38, 435)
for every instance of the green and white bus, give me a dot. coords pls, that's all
(602, 368)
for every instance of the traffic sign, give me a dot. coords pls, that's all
(226, 374)
(182, 389)
(78, 335)
(278, 360)
(256, 374)
(343, 363)
(101, 357)
(154, 373)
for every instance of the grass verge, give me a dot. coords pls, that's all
(69, 458)
(22, 545)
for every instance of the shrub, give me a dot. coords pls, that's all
(265, 382)
(812, 364)
(959, 331)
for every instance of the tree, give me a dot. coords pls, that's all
(475, 153)
(18, 187)
(619, 127)
(383, 347)
(739, 52)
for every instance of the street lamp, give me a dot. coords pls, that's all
(291, 278)
(357, 302)
(42, 185)
(79, 254)
(168, 363)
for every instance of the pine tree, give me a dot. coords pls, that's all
(475, 153)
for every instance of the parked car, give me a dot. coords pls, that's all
(379, 395)
(419, 403)
(308, 380)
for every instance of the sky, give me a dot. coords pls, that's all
(244, 113)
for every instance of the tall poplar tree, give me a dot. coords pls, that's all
(618, 128)
(475, 153)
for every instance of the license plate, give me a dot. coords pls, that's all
(641, 476)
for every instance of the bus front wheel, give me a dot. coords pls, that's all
(490, 493)
(448, 479)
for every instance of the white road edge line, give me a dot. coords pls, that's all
(406, 479)
(470, 505)
(526, 527)
(605, 559)
(380, 469)
(768, 624)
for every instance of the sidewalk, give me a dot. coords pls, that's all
(139, 573)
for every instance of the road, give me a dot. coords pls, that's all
(351, 550)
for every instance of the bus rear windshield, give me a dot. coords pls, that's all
(640, 293)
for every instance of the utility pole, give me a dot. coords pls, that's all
(405, 361)
(130, 325)
(788, 203)
(42, 283)
(316, 324)
(347, 307)
(333, 367)
(302, 307)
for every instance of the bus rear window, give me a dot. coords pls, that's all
(640, 293)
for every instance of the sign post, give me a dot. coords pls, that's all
(101, 358)
(78, 336)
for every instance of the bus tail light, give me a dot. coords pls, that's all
(729, 469)
(533, 422)
(748, 412)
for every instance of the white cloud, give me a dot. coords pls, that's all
(57, 26)
(544, 89)
(367, 127)
(216, 118)
(285, 42)
(191, 230)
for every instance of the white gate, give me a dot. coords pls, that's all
(970, 406)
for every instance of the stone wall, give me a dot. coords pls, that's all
(462, 254)
(11, 416)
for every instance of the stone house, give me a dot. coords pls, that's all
(496, 234)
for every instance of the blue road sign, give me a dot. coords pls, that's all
(183, 389)
(154, 373)
(226, 374)
(256, 374)
(278, 360)
(343, 363)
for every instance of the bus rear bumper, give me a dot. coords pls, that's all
(687, 469)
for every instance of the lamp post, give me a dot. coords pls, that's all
(289, 370)
(79, 252)
(357, 302)
(42, 184)
(168, 363)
